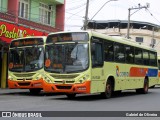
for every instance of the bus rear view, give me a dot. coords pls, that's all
(26, 61)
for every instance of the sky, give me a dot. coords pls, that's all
(113, 10)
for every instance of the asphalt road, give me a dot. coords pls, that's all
(22, 100)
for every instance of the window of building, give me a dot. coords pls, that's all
(23, 9)
(139, 39)
(45, 12)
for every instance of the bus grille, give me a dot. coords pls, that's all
(24, 84)
(64, 76)
(65, 81)
(25, 75)
(25, 79)
(64, 87)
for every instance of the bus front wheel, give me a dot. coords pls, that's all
(108, 90)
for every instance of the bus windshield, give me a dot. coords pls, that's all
(26, 59)
(66, 58)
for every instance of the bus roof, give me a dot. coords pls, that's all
(111, 38)
(44, 37)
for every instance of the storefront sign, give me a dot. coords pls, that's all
(10, 31)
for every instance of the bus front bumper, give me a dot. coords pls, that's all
(67, 88)
(27, 84)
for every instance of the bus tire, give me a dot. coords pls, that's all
(71, 96)
(35, 91)
(108, 90)
(144, 90)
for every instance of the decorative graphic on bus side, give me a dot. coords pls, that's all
(141, 72)
(137, 72)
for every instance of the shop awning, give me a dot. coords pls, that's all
(10, 31)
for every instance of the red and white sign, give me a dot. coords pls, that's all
(10, 31)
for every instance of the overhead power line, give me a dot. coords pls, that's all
(76, 7)
(153, 16)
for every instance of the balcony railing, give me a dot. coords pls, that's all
(31, 24)
(8, 17)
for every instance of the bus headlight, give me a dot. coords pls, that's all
(82, 79)
(47, 80)
(10, 77)
(38, 77)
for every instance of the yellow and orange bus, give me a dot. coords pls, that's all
(89, 62)
(26, 60)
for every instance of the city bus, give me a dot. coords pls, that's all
(88, 62)
(26, 61)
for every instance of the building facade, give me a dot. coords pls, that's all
(21, 18)
(142, 32)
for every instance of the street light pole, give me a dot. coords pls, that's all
(129, 15)
(86, 14)
(128, 26)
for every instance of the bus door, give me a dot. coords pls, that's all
(120, 69)
(97, 73)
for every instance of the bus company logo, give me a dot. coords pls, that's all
(117, 71)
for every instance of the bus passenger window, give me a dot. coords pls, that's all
(138, 56)
(158, 64)
(108, 51)
(129, 54)
(119, 52)
(97, 56)
(145, 57)
(153, 59)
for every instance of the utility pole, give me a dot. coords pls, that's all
(129, 15)
(153, 40)
(152, 33)
(86, 16)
